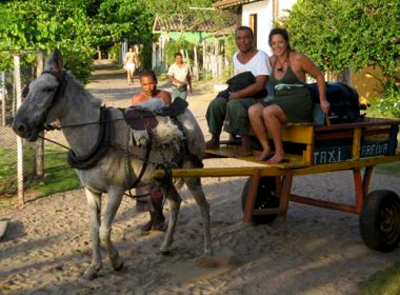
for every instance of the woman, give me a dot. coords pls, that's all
(292, 101)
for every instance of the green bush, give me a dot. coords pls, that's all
(389, 103)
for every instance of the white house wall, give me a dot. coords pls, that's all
(264, 12)
(285, 5)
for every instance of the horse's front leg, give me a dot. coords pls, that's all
(94, 203)
(194, 186)
(115, 197)
(175, 200)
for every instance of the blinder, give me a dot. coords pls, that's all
(62, 79)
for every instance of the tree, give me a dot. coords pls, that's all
(45, 25)
(337, 34)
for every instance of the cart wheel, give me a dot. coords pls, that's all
(264, 199)
(380, 220)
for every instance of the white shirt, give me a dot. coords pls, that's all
(258, 65)
(179, 73)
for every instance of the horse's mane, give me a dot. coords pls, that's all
(78, 91)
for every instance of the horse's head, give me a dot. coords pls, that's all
(42, 98)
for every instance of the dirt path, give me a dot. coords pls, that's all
(315, 251)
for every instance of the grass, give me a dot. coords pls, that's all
(59, 177)
(390, 169)
(385, 282)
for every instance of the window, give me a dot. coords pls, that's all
(253, 26)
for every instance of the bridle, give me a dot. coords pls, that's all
(62, 79)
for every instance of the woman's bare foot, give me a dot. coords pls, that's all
(277, 158)
(265, 155)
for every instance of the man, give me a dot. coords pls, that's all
(130, 62)
(233, 110)
(179, 74)
(148, 82)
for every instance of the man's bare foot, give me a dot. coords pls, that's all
(277, 158)
(265, 155)
(212, 144)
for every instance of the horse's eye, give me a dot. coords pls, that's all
(48, 89)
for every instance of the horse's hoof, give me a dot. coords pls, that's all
(89, 275)
(165, 252)
(119, 267)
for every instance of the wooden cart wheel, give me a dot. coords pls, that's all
(264, 199)
(380, 220)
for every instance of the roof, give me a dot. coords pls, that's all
(229, 3)
(191, 23)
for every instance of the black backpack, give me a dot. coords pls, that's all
(344, 101)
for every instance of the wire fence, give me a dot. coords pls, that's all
(8, 139)
(22, 163)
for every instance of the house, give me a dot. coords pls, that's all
(204, 33)
(259, 15)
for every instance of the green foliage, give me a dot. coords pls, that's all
(341, 33)
(337, 34)
(76, 27)
(389, 102)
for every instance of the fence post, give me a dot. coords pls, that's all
(40, 142)
(3, 98)
(20, 166)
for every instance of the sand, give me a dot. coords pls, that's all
(315, 251)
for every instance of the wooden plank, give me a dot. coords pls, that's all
(284, 195)
(356, 143)
(358, 187)
(299, 134)
(276, 170)
(323, 204)
(367, 180)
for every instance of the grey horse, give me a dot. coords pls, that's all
(56, 95)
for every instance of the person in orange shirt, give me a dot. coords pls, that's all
(148, 82)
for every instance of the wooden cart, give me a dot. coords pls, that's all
(318, 149)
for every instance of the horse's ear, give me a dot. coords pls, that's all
(55, 61)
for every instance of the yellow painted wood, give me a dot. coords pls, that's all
(281, 169)
(356, 143)
(298, 133)
(309, 154)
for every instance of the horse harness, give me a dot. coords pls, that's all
(103, 142)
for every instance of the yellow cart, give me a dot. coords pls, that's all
(318, 149)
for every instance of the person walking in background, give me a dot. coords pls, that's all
(153, 204)
(130, 62)
(292, 101)
(179, 74)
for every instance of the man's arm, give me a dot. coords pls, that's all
(189, 79)
(252, 89)
(166, 97)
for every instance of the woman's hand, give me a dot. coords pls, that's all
(325, 106)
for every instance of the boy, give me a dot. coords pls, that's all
(148, 82)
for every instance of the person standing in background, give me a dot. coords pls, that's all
(179, 74)
(130, 62)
